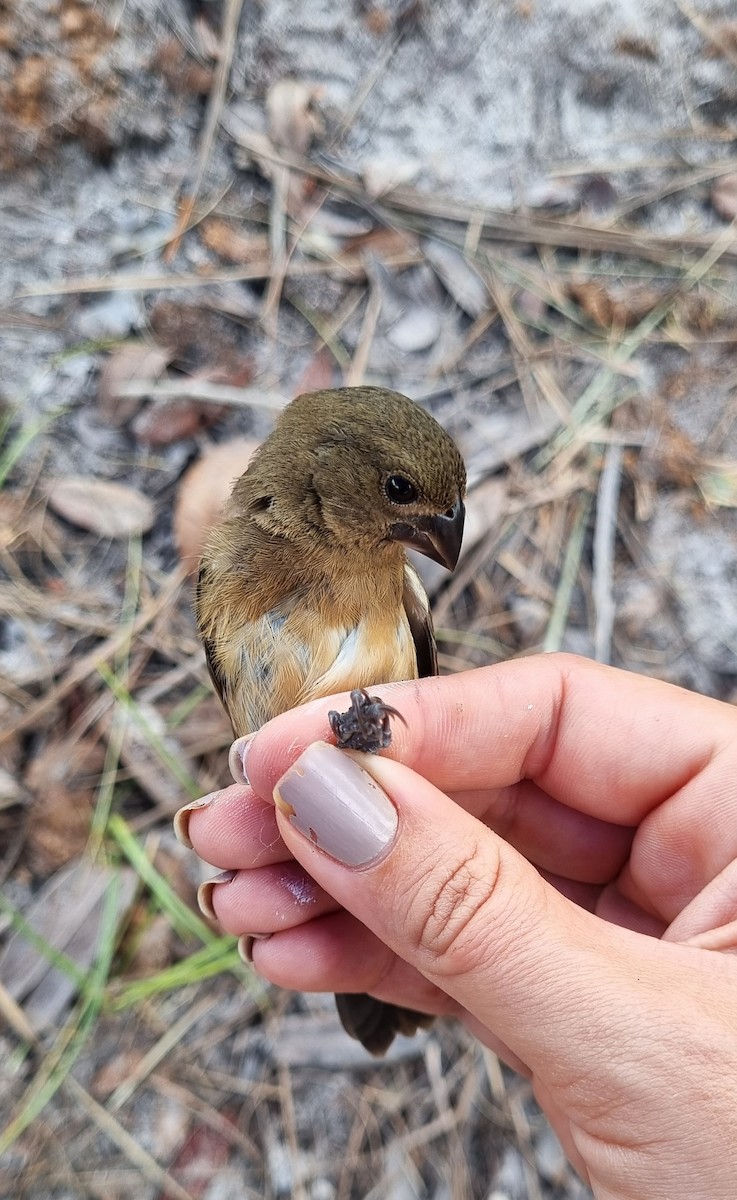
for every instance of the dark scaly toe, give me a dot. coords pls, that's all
(366, 725)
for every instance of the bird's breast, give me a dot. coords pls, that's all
(296, 652)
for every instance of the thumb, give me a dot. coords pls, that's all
(449, 897)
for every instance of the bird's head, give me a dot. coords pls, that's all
(364, 468)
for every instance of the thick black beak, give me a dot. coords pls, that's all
(438, 537)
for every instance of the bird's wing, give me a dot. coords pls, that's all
(217, 676)
(417, 608)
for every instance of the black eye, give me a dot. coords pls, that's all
(400, 490)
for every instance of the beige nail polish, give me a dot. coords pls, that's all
(237, 758)
(206, 889)
(245, 945)
(181, 818)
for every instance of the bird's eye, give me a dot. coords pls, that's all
(400, 490)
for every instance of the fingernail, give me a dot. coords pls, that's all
(205, 890)
(245, 945)
(237, 758)
(337, 805)
(181, 818)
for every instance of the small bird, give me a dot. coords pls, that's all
(305, 589)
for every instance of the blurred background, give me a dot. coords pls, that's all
(521, 215)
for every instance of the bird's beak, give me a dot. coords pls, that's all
(438, 537)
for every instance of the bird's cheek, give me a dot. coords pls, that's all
(267, 899)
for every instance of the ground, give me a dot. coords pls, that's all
(519, 214)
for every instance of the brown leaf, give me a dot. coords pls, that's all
(166, 421)
(112, 510)
(197, 1162)
(384, 243)
(636, 47)
(196, 336)
(62, 780)
(724, 196)
(134, 361)
(182, 72)
(703, 312)
(620, 308)
(291, 116)
(230, 243)
(317, 375)
(202, 493)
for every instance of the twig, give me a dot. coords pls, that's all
(158, 1052)
(204, 391)
(605, 532)
(355, 374)
(569, 573)
(215, 103)
(89, 662)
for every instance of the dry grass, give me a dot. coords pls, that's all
(169, 1061)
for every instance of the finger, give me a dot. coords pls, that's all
(234, 828)
(338, 954)
(606, 742)
(265, 900)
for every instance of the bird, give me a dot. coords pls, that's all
(305, 587)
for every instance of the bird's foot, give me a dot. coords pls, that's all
(366, 725)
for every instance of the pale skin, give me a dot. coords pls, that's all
(561, 875)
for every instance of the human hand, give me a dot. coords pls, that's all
(567, 898)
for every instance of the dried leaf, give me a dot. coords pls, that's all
(66, 913)
(62, 780)
(134, 361)
(458, 277)
(167, 421)
(198, 1161)
(112, 510)
(619, 308)
(317, 375)
(674, 458)
(202, 493)
(230, 243)
(384, 243)
(291, 116)
(182, 72)
(703, 312)
(195, 335)
(637, 47)
(724, 196)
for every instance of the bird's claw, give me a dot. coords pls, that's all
(366, 725)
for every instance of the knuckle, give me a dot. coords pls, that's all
(457, 909)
